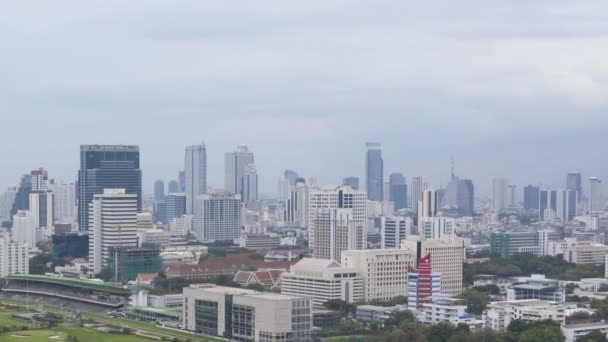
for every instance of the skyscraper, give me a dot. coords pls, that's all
(466, 197)
(195, 174)
(113, 223)
(64, 199)
(106, 167)
(235, 164)
(531, 197)
(286, 183)
(428, 205)
(374, 172)
(22, 196)
(418, 185)
(217, 217)
(40, 179)
(511, 196)
(249, 186)
(6, 204)
(175, 205)
(41, 205)
(398, 190)
(561, 203)
(596, 198)
(574, 182)
(296, 212)
(159, 191)
(352, 181)
(499, 194)
(173, 187)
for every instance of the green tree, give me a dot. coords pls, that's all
(594, 336)
(547, 331)
(476, 301)
(106, 274)
(440, 332)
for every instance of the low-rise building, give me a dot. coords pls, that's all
(579, 252)
(269, 278)
(367, 314)
(498, 315)
(259, 241)
(246, 315)
(448, 310)
(537, 287)
(573, 332)
(323, 280)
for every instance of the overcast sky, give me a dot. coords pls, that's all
(513, 88)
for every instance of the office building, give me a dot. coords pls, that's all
(561, 202)
(499, 315)
(574, 182)
(106, 167)
(578, 252)
(433, 228)
(217, 217)
(336, 230)
(500, 194)
(447, 258)
(249, 186)
(194, 174)
(531, 197)
(286, 183)
(181, 179)
(537, 287)
(511, 196)
(596, 196)
(175, 205)
(393, 230)
(159, 191)
(181, 225)
(575, 332)
(6, 204)
(323, 280)
(418, 186)
(14, 257)
(246, 315)
(507, 243)
(352, 181)
(322, 218)
(422, 284)
(374, 172)
(296, 212)
(25, 228)
(398, 190)
(22, 196)
(71, 245)
(173, 187)
(382, 271)
(64, 201)
(113, 223)
(466, 197)
(128, 262)
(235, 165)
(428, 206)
(40, 179)
(41, 205)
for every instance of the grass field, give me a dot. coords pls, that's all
(62, 332)
(7, 321)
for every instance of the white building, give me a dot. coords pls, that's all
(235, 165)
(65, 202)
(573, 332)
(217, 217)
(382, 271)
(448, 310)
(41, 206)
(417, 187)
(323, 280)
(14, 257)
(447, 258)
(596, 196)
(112, 223)
(297, 212)
(153, 236)
(393, 230)
(499, 193)
(181, 225)
(246, 315)
(499, 315)
(420, 291)
(334, 231)
(428, 206)
(250, 187)
(6, 203)
(342, 197)
(578, 252)
(25, 228)
(195, 174)
(433, 228)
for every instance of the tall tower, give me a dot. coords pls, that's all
(113, 223)
(41, 205)
(159, 191)
(106, 167)
(418, 185)
(500, 193)
(250, 186)
(574, 182)
(398, 190)
(374, 172)
(195, 174)
(235, 164)
(596, 201)
(217, 217)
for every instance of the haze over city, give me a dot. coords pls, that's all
(509, 88)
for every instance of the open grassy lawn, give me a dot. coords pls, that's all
(7, 321)
(61, 333)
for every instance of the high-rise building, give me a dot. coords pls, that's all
(249, 187)
(41, 205)
(447, 258)
(195, 174)
(427, 207)
(352, 181)
(382, 271)
(22, 197)
(423, 284)
(25, 228)
(112, 224)
(322, 218)
(393, 230)
(574, 182)
(235, 165)
(398, 190)
(175, 206)
(181, 179)
(290, 177)
(418, 186)
(334, 231)
(596, 197)
(374, 172)
(562, 203)
(531, 197)
(173, 187)
(106, 167)
(159, 191)
(433, 228)
(500, 194)
(40, 179)
(64, 200)
(296, 213)
(466, 197)
(14, 257)
(6, 204)
(217, 217)
(511, 196)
